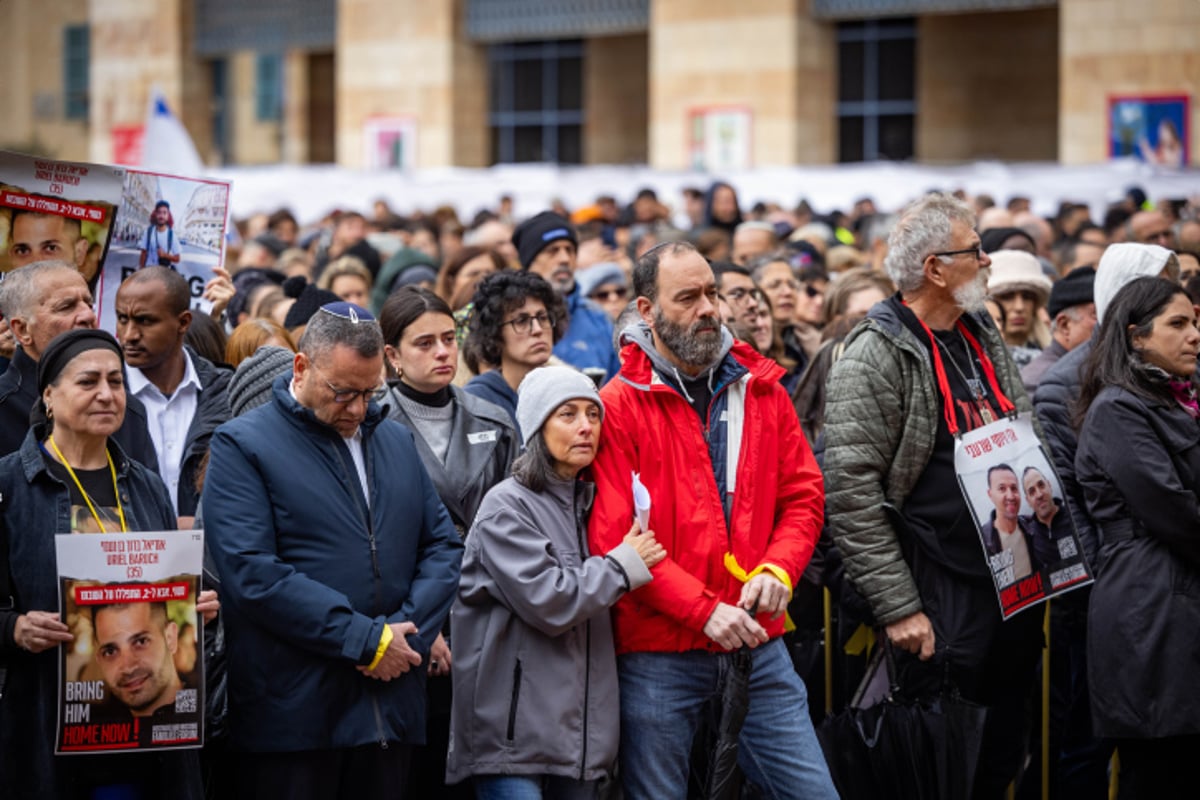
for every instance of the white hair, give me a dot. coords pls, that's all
(923, 227)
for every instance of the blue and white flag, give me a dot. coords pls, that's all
(167, 146)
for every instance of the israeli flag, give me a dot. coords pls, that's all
(167, 147)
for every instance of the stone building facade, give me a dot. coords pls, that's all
(670, 83)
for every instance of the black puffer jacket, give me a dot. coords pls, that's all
(1139, 469)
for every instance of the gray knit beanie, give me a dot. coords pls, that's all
(547, 388)
(250, 386)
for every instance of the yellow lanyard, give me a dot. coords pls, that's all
(116, 492)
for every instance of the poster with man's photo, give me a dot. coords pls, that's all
(1026, 533)
(133, 677)
(166, 221)
(57, 210)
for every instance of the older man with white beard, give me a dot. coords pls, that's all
(919, 367)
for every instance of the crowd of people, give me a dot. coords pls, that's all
(502, 508)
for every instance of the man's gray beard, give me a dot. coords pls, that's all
(972, 297)
(687, 346)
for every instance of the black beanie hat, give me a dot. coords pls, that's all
(309, 300)
(1076, 289)
(534, 234)
(993, 239)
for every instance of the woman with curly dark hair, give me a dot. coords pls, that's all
(516, 321)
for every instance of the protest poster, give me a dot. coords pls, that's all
(168, 221)
(133, 678)
(1025, 529)
(57, 210)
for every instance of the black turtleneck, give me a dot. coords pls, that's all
(438, 399)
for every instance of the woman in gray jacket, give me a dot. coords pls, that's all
(535, 678)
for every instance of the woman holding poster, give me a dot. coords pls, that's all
(535, 672)
(69, 477)
(1139, 466)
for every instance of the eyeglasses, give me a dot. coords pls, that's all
(523, 323)
(620, 293)
(347, 396)
(742, 295)
(976, 251)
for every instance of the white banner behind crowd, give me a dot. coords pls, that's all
(312, 191)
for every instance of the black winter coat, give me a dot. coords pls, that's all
(1054, 403)
(1139, 468)
(34, 506)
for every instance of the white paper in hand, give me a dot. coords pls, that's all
(641, 502)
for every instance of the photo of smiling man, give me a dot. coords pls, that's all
(135, 647)
(1005, 531)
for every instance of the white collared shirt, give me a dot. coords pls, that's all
(168, 419)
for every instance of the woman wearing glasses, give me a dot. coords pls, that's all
(467, 446)
(517, 320)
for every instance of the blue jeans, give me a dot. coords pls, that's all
(533, 787)
(663, 696)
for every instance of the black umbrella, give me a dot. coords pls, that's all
(905, 748)
(724, 779)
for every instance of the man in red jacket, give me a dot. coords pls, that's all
(736, 499)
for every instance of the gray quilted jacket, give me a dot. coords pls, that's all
(881, 415)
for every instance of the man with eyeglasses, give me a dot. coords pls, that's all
(922, 358)
(742, 297)
(548, 245)
(339, 562)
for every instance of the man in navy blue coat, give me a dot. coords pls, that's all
(338, 564)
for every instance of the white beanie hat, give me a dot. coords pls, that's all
(1123, 262)
(545, 389)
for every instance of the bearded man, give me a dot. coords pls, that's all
(737, 500)
(926, 363)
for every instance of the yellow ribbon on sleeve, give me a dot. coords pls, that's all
(735, 569)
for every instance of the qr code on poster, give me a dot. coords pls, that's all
(185, 701)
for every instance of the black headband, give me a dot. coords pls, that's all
(66, 346)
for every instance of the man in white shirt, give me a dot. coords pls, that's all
(185, 395)
(160, 245)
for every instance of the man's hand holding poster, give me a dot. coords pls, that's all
(133, 678)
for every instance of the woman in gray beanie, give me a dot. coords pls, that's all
(535, 670)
